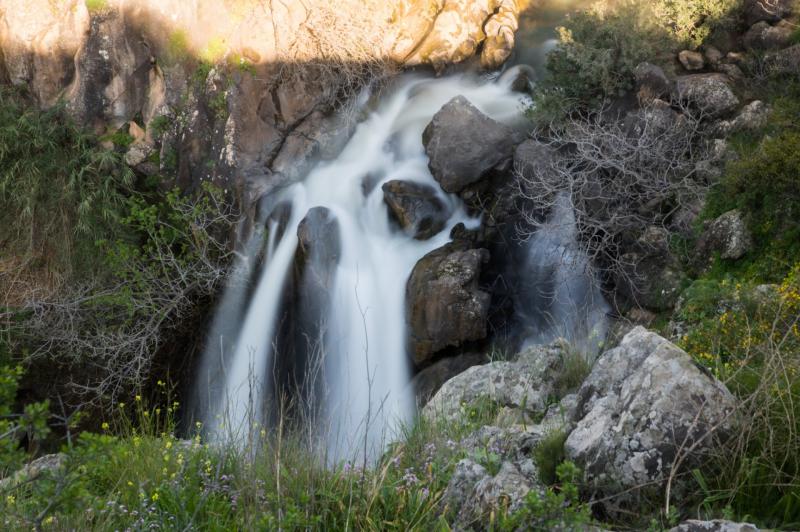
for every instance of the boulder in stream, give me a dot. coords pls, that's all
(416, 207)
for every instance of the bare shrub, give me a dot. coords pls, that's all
(619, 176)
(108, 330)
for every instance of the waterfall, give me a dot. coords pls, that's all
(359, 264)
(365, 369)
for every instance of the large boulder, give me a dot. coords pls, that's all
(762, 36)
(727, 236)
(428, 381)
(463, 144)
(416, 207)
(709, 94)
(445, 306)
(691, 60)
(526, 384)
(645, 409)
(652, 82)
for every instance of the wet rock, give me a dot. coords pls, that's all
(727, 236)
(766, 10)
(318, 248)
(428, 381)
(463, 145)
(717, 525)
(416, 207)
(691, 60)
(525, 383)
(709, 94)
(652, 81)
(762, 36)
(445, 306)
(644, 404)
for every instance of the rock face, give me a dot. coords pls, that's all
(728, 236)
(428, 381)
(707, 93)
(416, 207)
(443, 32)
(644, 406)
(445, 307)
(526, 383)
(463, 145)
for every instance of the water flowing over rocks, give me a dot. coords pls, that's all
(416, 207)
(644, 407)
(464, 145)
(445, 305)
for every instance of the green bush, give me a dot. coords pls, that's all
(549, 455)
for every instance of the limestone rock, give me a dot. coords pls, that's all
(445, 306)
(643, 403)
(728, 236)
(526, 383)
(416, 207)
(463, 144)
(707, 93)
(717, 525)
(428, 381)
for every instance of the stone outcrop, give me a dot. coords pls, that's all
(464, 145)
(525, 383)
(416, 207)
(445, 306)
(428, 381)
(644, 407)
(763, 36)
(444, 32)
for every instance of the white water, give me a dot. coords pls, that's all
(365, 362)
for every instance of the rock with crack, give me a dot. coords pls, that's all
(464, 145)
(416, 207)
(646, 411)
(445, 306)
(527, 384)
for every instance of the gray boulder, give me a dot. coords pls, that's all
(464, 145)
(652, 81)
(525, 384)
(762, 36)
(707, 93)
(644, 406)
(717, 525)
(753, 116)
(727, 236)
(445, 306)
(428, 381)
(416, 207)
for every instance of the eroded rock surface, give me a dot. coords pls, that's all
(644, 406)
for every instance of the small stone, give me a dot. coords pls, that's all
(692, 61)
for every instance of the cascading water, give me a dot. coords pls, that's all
(366, 374)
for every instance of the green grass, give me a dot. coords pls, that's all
(95, 6)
